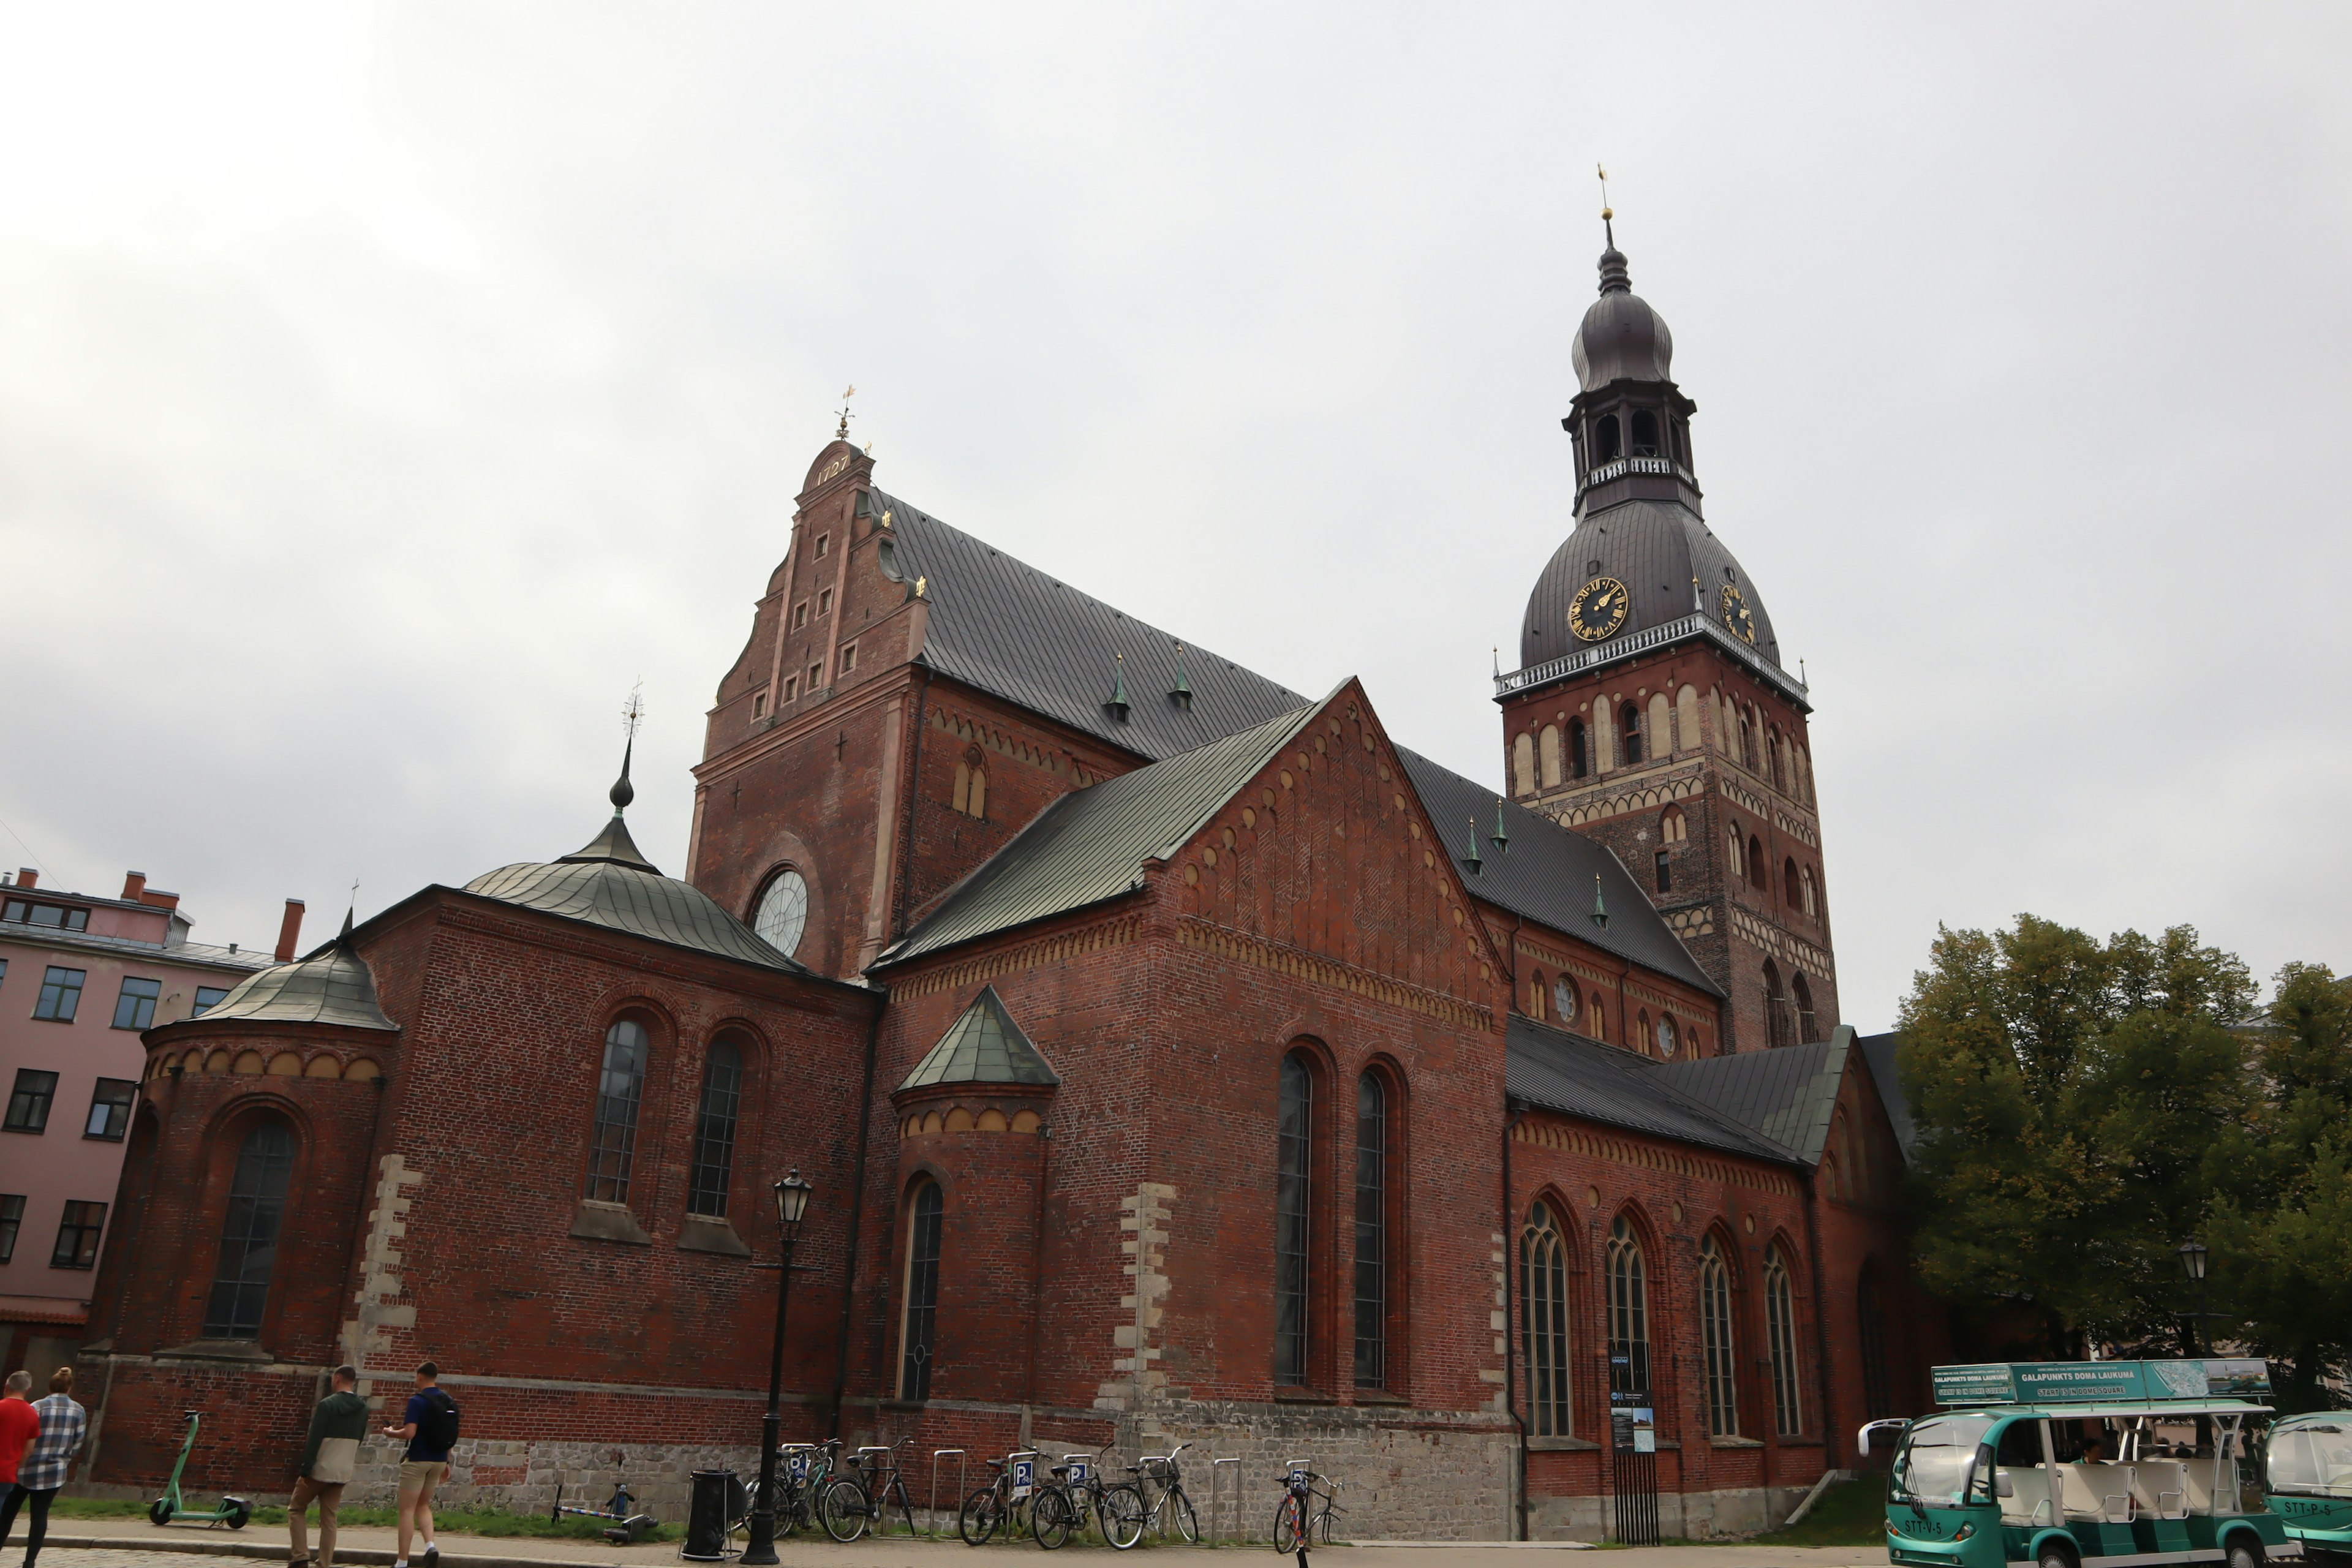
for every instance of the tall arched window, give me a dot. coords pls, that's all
(1372, 1232)
(1563, 1002)
(1292, 1198)
(1877, 1390)
(783, 912)
(1660, 726)
(1714, 1334)
(1537, 996)
(1778, 1026)
(1523, 764)
(1788, 891)
(1669, 1042)
(1640, 1040)
(978, 805)
(1629, 720)
(1543, 1321)
(919, 1322)
(1548, 754)
(1608, 441)
(1596, 1017)
(1812, 899)
(1629, 1312)
(1759, 871)
(1745, 751)
(249, 1243)
(1781, 1340)
(1645, 433)
(1739, 857)
(1673, 825)
(1808, 1029)
(714, 1131)
(1686, 733)
(1579, 755)
(620, 1091)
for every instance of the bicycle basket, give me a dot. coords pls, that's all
(1159, 1471)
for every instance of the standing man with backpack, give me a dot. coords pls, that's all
(429, 1427)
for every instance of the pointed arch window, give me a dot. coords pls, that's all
(1716, 1337)
(1294, 1120)
(1808, 1027)
(1629, 1312)
(620, 1093)
(1596, 1017)
(1811, 900)
(1877, 1390)
(919, 1331)
(1579, 761)
(1548, 754)
(714, 1130)
(1780, 1340)
(1543, 1321)
(1778, 1027)
(1641, 1029)
(1372, 1232)
(1629, 720)
(249, 1243)
(1756, 871)
(1537, 996)
(1738, 858)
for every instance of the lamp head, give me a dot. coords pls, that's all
(2193, 1260)
(791, 1200)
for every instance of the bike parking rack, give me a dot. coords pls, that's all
(1214, 1467)
(933, 1508)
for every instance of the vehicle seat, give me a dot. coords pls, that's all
(2029, 1499)
(2100, 1491)
(2161, 1487)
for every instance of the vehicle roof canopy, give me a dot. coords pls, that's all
(2117, 1387)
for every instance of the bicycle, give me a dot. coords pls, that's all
(1296, 1517)
(1127, 1524)
(1005, 1503)
(865, 1491)
(801, 1470)
(1079, 1476)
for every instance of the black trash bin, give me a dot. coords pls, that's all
(711, 1507)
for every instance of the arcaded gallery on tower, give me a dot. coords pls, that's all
(1176, 1057)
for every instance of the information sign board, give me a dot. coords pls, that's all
(1632, 1423)
(2099, 1382)
(1025, 1476)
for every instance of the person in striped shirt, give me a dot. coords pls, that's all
(44, 1467)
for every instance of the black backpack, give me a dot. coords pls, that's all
(439, 1427)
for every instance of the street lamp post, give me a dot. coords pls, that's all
(791, 1204)
(2192, 1263)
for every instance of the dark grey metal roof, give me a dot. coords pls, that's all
(1547, 873)
(1091, 845)
(1577, 1077)
(983, 1045)
(1788, 1095)
(1654, 548)
(609, 883)
(1002, 625)
(1879, 1052)
(334, 985)
(1620, 337)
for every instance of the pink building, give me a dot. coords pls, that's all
(80, 979)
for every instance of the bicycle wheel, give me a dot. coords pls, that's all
(1123, 1513)
(1286, 1525)
(1323, 1525)
(1187, 1523)
(1052, 1517)
(844, 1509)
(977, 1519)
(896, 1494)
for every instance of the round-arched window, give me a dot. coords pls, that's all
(784, 911)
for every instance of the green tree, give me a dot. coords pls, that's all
(2081, 1108)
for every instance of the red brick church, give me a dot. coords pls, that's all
(1175, 1056)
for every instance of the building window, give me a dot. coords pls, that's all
(1877, 1390)
(1372, 1232)
(1664, 863)
(825, 602)
(714, 1131)
(1739, 862)
(816, 677)
(1598, 1019)
(248, 1247)
(800, 614)
(29, 1102)
(792, 687)
(78, 1235)
(135, 1008)
(1780, 1333)
(1580, 751)
(1755, 872)
(60, 993)
(1523, 763)
(1778, 1028)
(1669, 1042)
(1548, 754)
(51, 915)
(824, 543)
(109, 1109)
(12, 1220)
(207, 998)
(1645, 433)
(1535, 995)
(918, 1332)
(1812, 903)
(1808, 1027)
(1563, 1002)
(1715, 1333)
(1788, 892)
(1293, 1194)
(1608, 443)
(1641, 1029)
(782, 917)
(970, 796)
(1629, 1312)
(848, 657)
(1543, 1321)
(759, 705)
(619, 1090)
(1629, 726)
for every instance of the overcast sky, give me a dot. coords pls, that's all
(384, 391)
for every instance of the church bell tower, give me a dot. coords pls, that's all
(1651, 710)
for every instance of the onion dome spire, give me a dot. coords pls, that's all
(1502, 834)
(1476, 866)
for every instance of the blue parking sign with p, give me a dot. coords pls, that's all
(1025, 1474)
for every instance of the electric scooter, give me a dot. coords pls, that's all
(170, 1508)
(629, 1525)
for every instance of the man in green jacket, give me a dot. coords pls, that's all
(338, 1426)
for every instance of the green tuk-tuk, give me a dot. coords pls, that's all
(2103, 1464)
(2308, 1473)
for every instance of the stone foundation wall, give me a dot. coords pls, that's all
(1694, 1516)
(524, 1477)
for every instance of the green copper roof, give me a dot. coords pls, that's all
(984, 1046)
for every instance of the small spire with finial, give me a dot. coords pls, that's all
(1478, 867)
(841, 432)
(632, 712)
(1180, 693)
(1599, 906)
(1502, 834)
(1117, 705)
(1497, 652)
(1698, 598)
(1614, 278)
(1608, 217)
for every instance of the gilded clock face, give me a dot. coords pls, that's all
(1736, 615)
(1598, 609)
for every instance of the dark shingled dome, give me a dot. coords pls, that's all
(334, 985)
(1654, 548)
(1622, 338)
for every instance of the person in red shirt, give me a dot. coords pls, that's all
(18, 1426)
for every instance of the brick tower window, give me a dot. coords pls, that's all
(1780, 1334)
(1806, 1028)
(1293, 1198)
(1608, 443)
(1543, 1321)
(714, 1131)
(1629, 1312)
(781, 915)
(918, 1331)
(1715, 1329)
(1664, 864)
(1629, 730)
(1756, 865)
(249, 1243)
(620, 1091)
(1580, 751)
